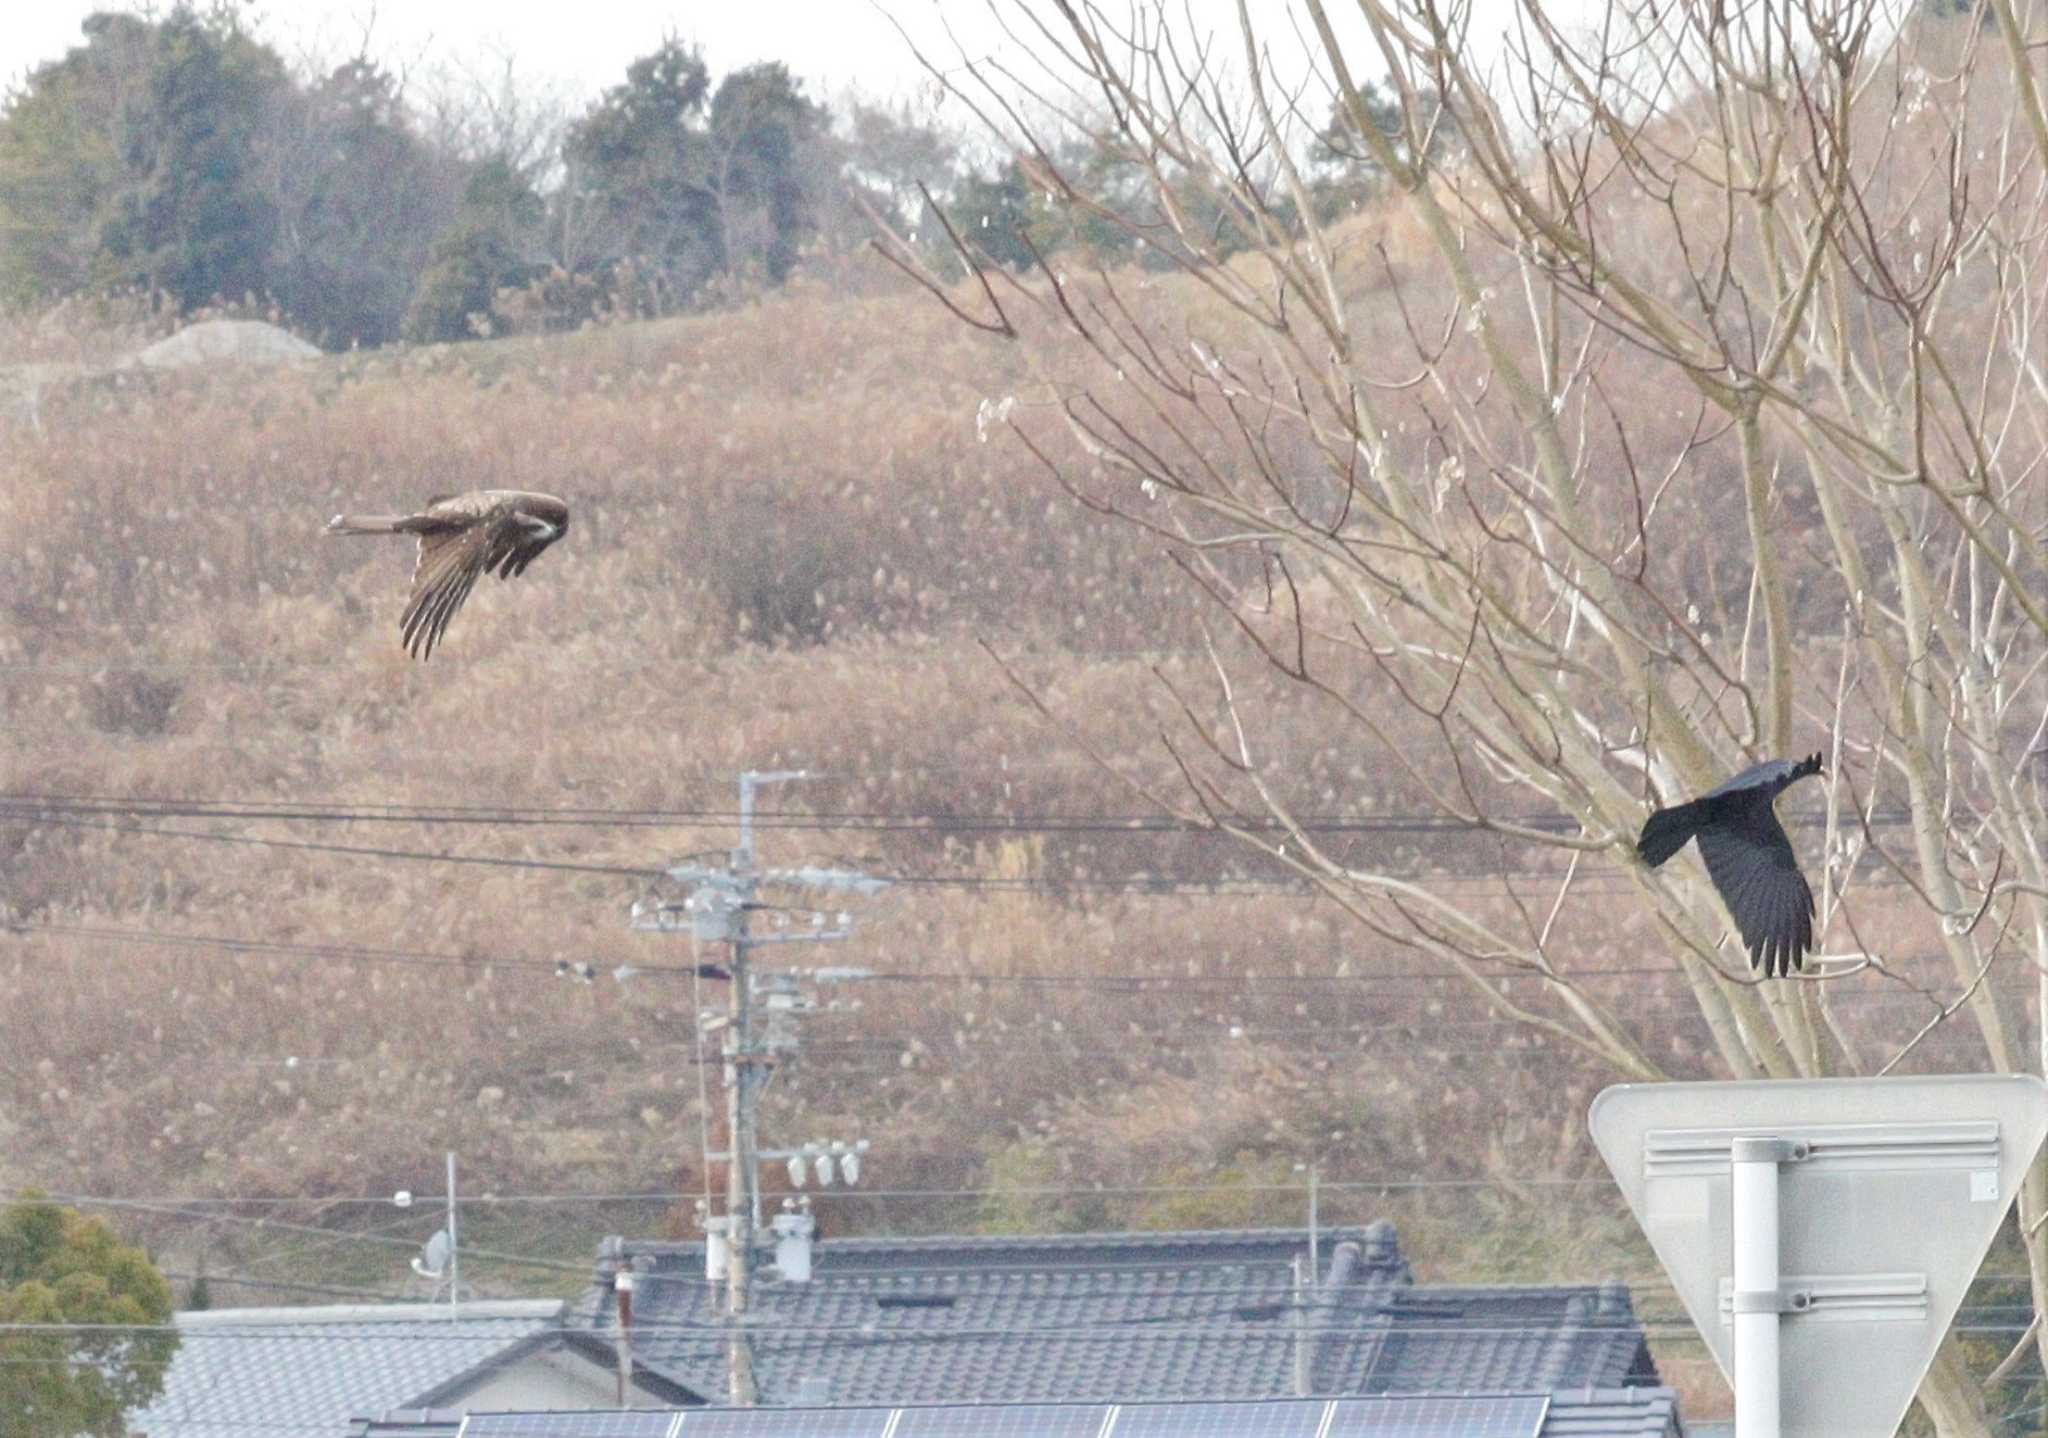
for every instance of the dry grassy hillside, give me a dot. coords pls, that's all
(791, 544)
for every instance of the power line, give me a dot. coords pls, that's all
(807, 1334)
(1221, 886)
(145, 664)
(1216, 888)
(278, 1225)
(1129, 983)
(172, 1203)
(28, 805)
(278, 1285)
(357, 850)
(1285, 1320)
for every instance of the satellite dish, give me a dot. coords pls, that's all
(433, 1259)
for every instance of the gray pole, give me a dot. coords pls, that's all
(719, 909)
(739, 1116)
(454, 1263)
(1315, 1257)
(1302, 1319)
(1754, 1200)
(745, 1063)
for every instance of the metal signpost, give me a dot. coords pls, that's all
(1822, 1232)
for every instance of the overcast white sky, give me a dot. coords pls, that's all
(584, 47)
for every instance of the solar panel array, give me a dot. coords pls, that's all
(569, 1425)
(1439, 1416)
(789, 1423)
(1432, 1416)
(1268, 1419)
(1010, 1420)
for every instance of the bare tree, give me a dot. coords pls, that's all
(486, 110)
(1689, 410)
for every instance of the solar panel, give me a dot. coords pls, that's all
(648, 1424)
(1439, 1416)
(783, 1423)
(1009, 1420)
(1270, 1418)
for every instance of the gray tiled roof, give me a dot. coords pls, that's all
(1124, 1317)
(307, 1372)
(1613, 1413)
(411, 1423)
(1473, 1339)
(1574, 1413)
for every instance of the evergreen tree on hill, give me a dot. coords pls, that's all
(131, 162)
(490, 245)
(671, 185)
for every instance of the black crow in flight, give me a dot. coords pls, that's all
(1749, 859)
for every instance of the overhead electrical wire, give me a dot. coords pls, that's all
(1222, 886)
(1287, 1322)
(1122, 983)
(26, 806)
(1281, 888)
(81, 813)
(353, 850)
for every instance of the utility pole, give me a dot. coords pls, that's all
(745, 1071)
(454, 1247)
(717, 910)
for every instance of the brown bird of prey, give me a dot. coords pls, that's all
(462, 536)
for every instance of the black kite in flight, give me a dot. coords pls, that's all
(462, 536)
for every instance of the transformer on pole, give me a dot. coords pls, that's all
(757, 1028)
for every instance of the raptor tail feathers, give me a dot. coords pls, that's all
(366, 524)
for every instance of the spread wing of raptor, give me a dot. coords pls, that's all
(461, 536)
(1749, 859)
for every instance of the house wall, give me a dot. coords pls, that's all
(558, 1379)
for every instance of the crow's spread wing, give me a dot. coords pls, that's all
(1753, 867)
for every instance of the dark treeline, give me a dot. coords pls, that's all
(183, 158)
(180, 156)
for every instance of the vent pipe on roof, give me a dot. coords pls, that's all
(622, 1289)
(1344, 1260)
(1381, 1244)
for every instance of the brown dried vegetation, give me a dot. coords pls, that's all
(790, 548)
(789, 542)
